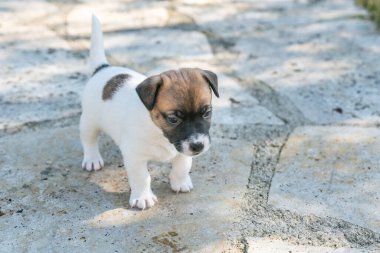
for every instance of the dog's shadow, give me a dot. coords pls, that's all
(64, 206)
(200, 215)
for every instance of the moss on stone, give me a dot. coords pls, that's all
(374, 8)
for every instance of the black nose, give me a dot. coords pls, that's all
(196, 146)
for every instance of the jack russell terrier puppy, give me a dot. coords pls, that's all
(165, 117)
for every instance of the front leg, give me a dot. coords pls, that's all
(180, 180)
(139, 180)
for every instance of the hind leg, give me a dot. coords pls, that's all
(89, 135)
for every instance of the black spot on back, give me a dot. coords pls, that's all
(113, 85)
(100, 68)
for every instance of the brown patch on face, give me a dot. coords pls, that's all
(113, 85)
(185, 90)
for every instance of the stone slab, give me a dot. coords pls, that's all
(48, 203)
(330, 171)
(116, 16)
(40, 78)
(14, 12)
(316, 57)
(264, 245)
(237, 106)
(142, 47)
(137, 33)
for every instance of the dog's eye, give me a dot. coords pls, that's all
(172, 119)
(207, 114)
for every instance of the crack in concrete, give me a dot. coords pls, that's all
(245, 245)
(65, 121)
(266, 221)
(278, 104)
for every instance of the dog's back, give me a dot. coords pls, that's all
(110, 85)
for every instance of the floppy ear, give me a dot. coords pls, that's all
(212, 80)
(148, 90)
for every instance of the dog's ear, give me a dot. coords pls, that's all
(148, 90)
(212, 80)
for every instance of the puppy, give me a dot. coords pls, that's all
(164, 117)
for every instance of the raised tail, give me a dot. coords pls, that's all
(97, 54)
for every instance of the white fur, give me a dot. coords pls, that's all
(180, 180)
(97, 54)
(127, 121)
(196, 138)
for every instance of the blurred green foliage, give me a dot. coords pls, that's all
(374, 7)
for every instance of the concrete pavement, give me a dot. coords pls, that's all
(294, 165)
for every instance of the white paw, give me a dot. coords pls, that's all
(181, 184)
(92, 163)
(142, 201)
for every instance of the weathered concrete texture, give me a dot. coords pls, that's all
(141, 27)
(281, 64)
(260, 245)
(131, 16)
(268, 221)
(330, 171)
(162, 44)
(323, 55)
(39, 77)
(52, 204)
(237, 106)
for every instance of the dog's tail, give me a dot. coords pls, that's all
(97, 54)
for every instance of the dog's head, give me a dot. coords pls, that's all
(179, 103)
